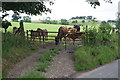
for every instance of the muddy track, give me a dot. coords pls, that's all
(63, 64)
(28, 63)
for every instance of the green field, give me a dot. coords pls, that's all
(34, 26)
(49, 27)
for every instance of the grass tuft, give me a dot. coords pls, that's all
(34, 75)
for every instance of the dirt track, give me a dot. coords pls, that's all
(28, 63)
(62, 66)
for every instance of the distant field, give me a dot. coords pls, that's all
(34, 26)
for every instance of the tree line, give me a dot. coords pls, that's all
(16, 17)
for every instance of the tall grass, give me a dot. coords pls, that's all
(88, 56)
(14, 49)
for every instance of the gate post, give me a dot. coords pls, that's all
(27, 34)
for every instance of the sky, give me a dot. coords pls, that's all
(65, 9)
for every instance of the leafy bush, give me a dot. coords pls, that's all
(99, 36)
(104, 34)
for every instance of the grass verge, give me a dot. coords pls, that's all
(14, 49)
(89, 57)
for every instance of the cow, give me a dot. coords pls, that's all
(75, 35)
(5, 25)
(39, 33)
(77, 27)
(34, 34)
(43, 32)
(62, 32)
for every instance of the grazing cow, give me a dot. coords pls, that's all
(75, 35)
(77, 27)
(62, 32)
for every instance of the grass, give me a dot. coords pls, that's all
(42, 67)
(14, 49)
(89, 57)
(46, 59)
(34, 75)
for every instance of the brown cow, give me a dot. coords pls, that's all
(75, 35)
(43, 32)
(62, 32)
(34, 34)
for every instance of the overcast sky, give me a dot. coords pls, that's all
(65, 9)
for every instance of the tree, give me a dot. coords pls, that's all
(83, 21)
(89, 17)
(30, 8)
(48, 18)
(16, 17)
(64, 22)
(26, 19)
(96, 2)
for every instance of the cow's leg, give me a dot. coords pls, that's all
(65, 43)
(60, 41)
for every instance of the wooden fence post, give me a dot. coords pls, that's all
(43, 39)
(27, 34)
